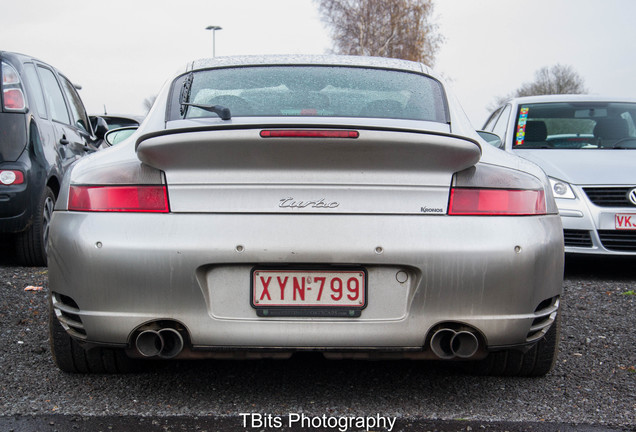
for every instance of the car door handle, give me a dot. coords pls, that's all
(63, 140)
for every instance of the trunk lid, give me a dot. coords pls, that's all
(236, 170)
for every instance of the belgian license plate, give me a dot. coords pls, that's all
(312, 292)
(625, 221)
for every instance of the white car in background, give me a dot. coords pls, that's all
(587, 146)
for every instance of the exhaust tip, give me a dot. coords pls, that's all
(149, 343)
(172, 343)
(464, 344)
(441, 343)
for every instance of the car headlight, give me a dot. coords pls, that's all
(561, 189)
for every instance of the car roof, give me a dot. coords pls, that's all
(319, 60)
(570, 98)
(20, 57)
(23, 58)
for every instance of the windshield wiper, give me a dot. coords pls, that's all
(220, 110)
(184, 97)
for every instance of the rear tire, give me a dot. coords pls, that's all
(32, 245)
(69, 355)
(536, 362)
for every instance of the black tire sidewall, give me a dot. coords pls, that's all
(31, 244)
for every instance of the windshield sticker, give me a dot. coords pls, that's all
(521, 126)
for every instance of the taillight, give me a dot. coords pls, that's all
(9, 74)
(494, 202)
(144, 199)
(492, 190)
(320, 133)
(12, 94)
(11, 177)
(13, 99)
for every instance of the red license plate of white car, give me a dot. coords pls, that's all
(625, 221)
(309, 292)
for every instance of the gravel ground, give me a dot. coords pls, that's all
(594, 382)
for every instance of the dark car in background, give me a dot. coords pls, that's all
(44, 128)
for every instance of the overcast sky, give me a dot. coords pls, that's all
(122, 52)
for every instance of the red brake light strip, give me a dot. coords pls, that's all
(288, 133)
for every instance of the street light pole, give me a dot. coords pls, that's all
(214, 29)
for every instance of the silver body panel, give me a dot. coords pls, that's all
(602, 167)
(188, 268)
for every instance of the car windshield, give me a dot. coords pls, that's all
(326, 91)
(575, 125)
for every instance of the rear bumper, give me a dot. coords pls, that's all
(19, 202)
(123, 271)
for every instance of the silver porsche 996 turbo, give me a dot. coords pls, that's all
(270, 205)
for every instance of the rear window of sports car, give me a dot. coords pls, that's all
(326, 91)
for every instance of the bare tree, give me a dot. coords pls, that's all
(558, 79)
(385, 28)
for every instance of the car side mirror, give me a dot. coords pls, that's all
(100, 127)
(491, 138)
(115, 136)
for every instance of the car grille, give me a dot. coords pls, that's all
(609, 196)
(621, 241)
(545, 314)
(577, 238)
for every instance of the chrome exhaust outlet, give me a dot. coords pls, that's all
(441, 343)
(464, 344)
(172, 343)
(149, 343)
